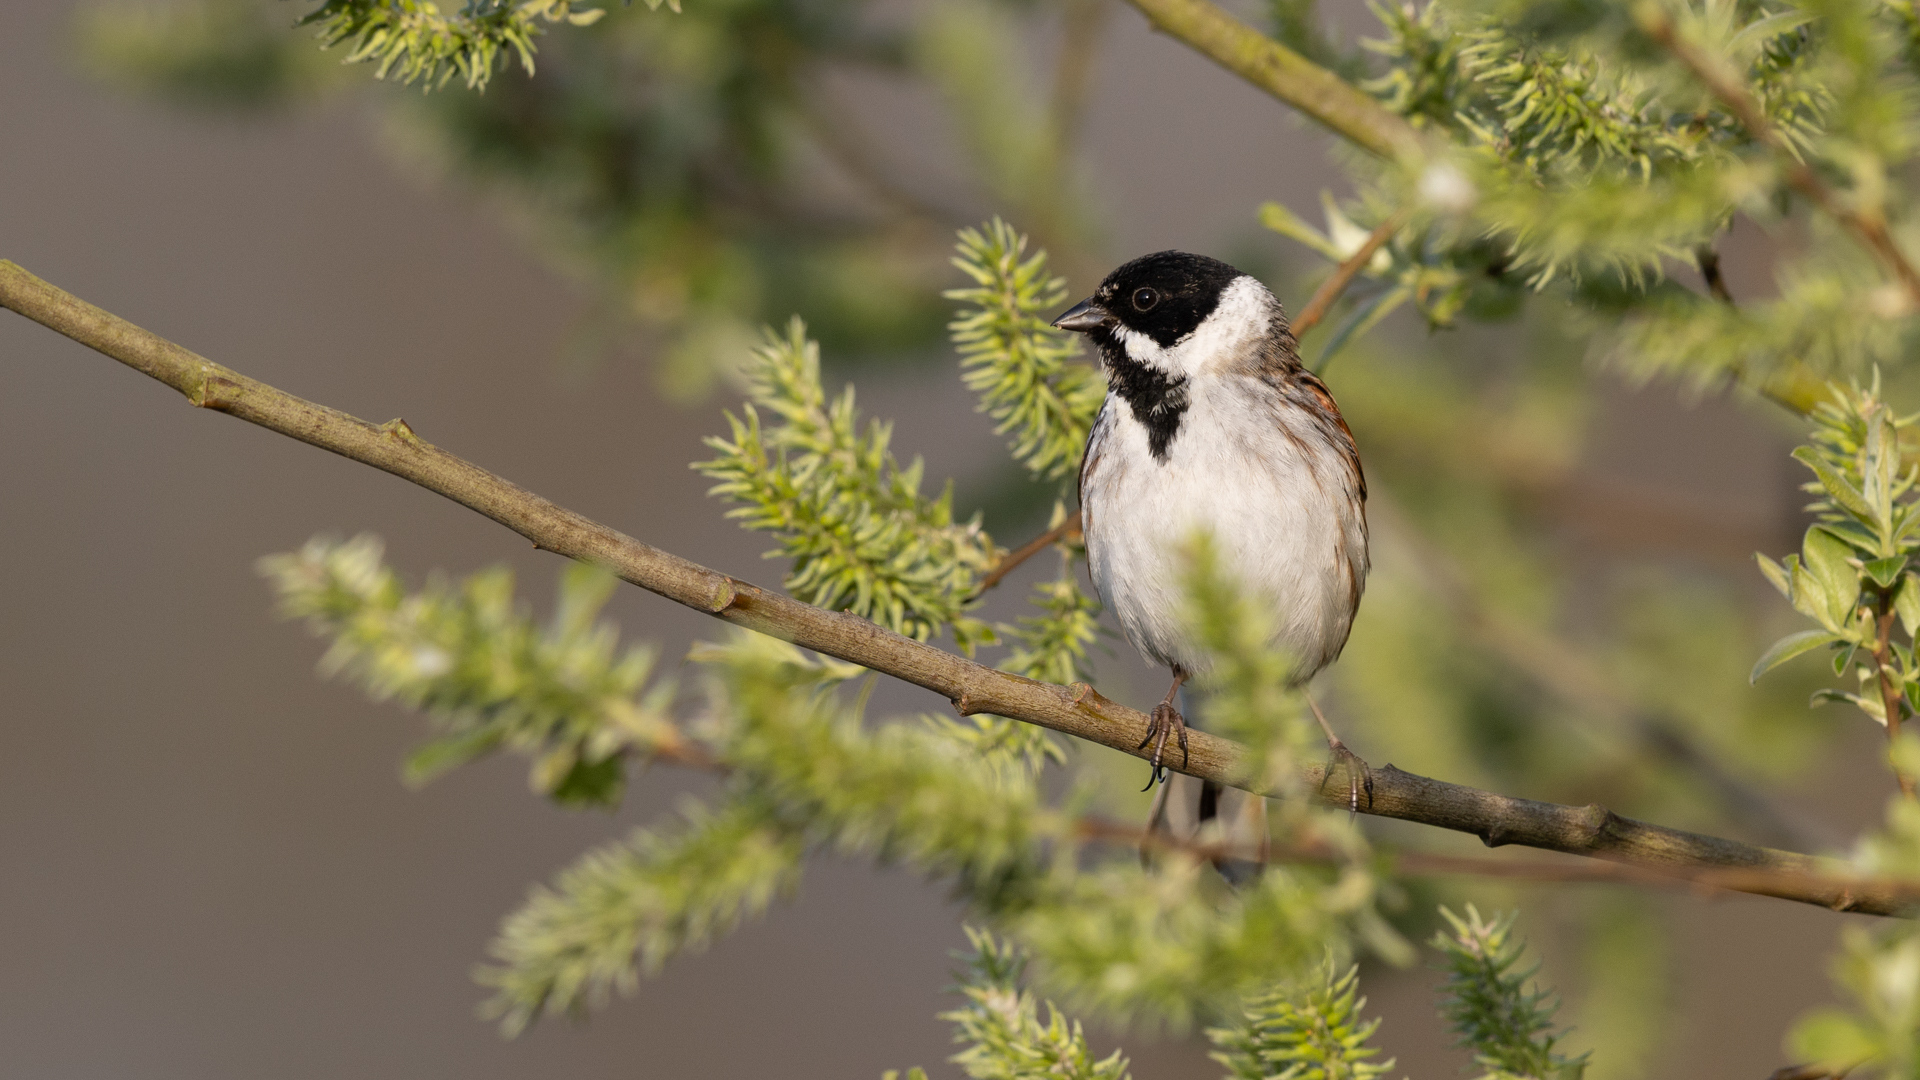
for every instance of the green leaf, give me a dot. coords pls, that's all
(1789, 647)
(1774, 573)
(1906, 603)
(1289, 224)
(1885, 572)
(441, 755)
(1826, 558)
(1838, 487)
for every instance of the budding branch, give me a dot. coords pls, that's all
(972, 687)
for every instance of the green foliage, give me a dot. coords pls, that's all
(1023, 369)
(861, 536)
(1878, 968)
(412, 41)
(1308, 1031)
(660, 893)
(474, 660)
(1000, 1024)
(1573, 158)
(1880, 971)
(1507, 1023)
(801, 773)
(1855, 574)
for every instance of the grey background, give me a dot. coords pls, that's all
(211, 869)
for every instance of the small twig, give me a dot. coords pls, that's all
(1343, 275)
(1558, 668)
(1077, 710)
(1725, 85)
(1711, 880)
(1069, 526)
(1893, 696)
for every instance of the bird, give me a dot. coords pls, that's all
(1212, 422)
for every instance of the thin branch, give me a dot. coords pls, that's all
(1294, 79)
(1563, 671)
(1343, 275)
(1069, 526)
(1076, 710)
(1725, 85)
(1708, 880)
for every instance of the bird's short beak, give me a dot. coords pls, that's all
(1084, 316)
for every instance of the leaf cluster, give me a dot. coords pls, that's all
(1024, 370)
(472, 658)
(861, 536)
(1855, 573)
(1311, 1030)
(412, 41)
(1492, 1006)
(1000, 1024)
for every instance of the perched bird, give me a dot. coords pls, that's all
(1211, 422)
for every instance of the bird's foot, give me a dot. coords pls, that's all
(1359, 774)
(1164, 723)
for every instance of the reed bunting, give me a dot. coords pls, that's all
(1212, 423)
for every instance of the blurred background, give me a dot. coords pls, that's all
(213, 868)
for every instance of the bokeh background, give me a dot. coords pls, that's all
(212, 868)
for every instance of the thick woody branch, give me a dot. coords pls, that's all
(1294, 79)
(1078, 710)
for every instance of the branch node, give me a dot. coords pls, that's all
(1598, 819)
(964, 704)
(397, 428)
(214, 391)
(723, 597)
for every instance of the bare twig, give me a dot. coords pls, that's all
(1712, 880)
(1076, 710)
(1343, 275)
(1726, 85)
(1069, 526)
(1285, 74)
(1561, 670)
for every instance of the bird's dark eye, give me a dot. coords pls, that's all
(1144, 299)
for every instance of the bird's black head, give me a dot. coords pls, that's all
(1164, 296)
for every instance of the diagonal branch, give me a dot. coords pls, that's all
(1708, 881)
(1329, 291)
(1342, 107)
(1077, 710)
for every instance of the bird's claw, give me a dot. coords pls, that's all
(1359, 774)
(1163, 723)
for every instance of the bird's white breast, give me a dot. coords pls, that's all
(1281, 504)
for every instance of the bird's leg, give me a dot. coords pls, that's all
(1156, 817)
(1359, 775)
(1165, 722)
